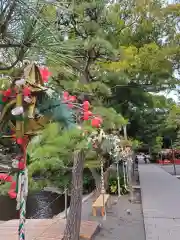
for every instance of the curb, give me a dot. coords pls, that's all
(63, 214)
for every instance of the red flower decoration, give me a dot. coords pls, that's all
(70, 105)
(21, 165)
(96, 122)
(26, 92)
(72, 98)
(4, 99)
(7, 93)
(12, 194)
(45, 74)
(20, 141)
(87, 115)
(65, 95)
(86, 105)
(5, 177)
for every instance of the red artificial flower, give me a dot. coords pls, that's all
(20, 141)
(21, 165)
(72, 98)
(45, 74)
(12, 194)
(87, 115)
(96, 122)
(4, 99)
(13, 186)
(86, 105)
(5, 177)
(7, 93)
(70, 105)
(65, 95)
(26, 92)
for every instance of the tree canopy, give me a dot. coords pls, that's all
(119, 55)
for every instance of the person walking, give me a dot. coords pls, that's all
(145, 158)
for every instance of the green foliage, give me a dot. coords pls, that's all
(4, 188)
(113, 54)
(173, 119)
(136, 144)
(51, 151)
(111, 119)
(176, 143)
(157, 147)
(113, 185)
(28, 31)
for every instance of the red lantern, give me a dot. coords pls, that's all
(86, 105)
(26, 92)
(45, 74)
(96, 122)
(7, 93)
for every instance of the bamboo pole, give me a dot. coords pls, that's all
(65, 193)
(118, 179)
(103, 189)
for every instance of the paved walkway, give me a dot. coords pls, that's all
(161, 203)
(170, 168)
(119, 225)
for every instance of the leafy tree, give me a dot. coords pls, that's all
(28, 32)
(157, 147)
(176, 143)
(173, 125)
(123, 51)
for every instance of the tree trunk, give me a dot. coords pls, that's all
(106, 177)
(97, 178)
(73, 223)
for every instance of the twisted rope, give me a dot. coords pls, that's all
(21, 201)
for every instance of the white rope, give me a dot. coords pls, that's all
(18, 198)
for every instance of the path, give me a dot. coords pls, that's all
(170, 168)
(119, 224)
(160, 201)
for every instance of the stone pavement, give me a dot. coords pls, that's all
(160, 202)
(119, 225)
(170, 169)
